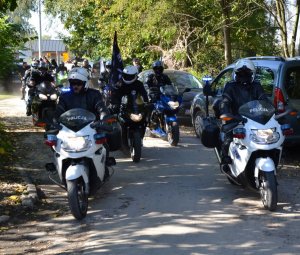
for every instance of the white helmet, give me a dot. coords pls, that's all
(244, 67)
(130, 74)
(79, 73)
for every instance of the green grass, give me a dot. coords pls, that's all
(6, 96)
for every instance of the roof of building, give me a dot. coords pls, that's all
(47, 45)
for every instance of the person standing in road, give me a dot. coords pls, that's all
(136, 62)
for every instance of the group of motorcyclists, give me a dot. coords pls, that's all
(241, 89)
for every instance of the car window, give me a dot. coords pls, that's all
(292, 82)
(219, 83)
(265, 76)
(182, 80)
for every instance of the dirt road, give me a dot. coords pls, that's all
(175, 201)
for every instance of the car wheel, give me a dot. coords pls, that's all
(198, 123)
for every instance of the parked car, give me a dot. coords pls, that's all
(280, 79)
(181, 80)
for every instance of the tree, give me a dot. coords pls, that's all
(185, 33)
(285, 14)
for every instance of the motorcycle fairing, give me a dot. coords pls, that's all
(260, 111)
(77, 118)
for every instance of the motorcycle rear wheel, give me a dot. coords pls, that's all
(268, 190)
(136, 147)
(77, 197)
(173, 134)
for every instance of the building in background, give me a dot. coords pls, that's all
(50, 48)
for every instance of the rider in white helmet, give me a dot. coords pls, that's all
(80, 95)
(242, 89)
(128, 83)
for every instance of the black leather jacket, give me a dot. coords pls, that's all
(89, 99)
(236, 94)
(126, 89)
(157, 81)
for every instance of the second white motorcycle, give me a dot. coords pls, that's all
(80, 156)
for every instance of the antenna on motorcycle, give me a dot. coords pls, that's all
(207, 92)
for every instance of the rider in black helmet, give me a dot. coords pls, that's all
(154, 82)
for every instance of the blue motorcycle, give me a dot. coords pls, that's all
(163, 121)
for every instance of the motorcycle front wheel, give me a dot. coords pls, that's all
(77, 197)
(173, 133)
(268, 190)
(136, 147)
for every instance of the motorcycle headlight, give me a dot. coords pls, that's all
(53, 97)
(42, 97)
(264, 136)
(173, 104)
(136, 117)
(77, 144)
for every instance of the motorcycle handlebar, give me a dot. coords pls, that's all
(101, 125)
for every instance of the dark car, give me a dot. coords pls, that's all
(181, 80)
(280, 79)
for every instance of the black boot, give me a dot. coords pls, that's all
(28, 110)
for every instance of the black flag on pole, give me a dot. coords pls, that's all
(116, 63)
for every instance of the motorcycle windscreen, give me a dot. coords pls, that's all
(76, 119)
(169, 90)
(46, 88)
(260, 111)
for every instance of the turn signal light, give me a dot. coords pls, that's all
(239, 133)
(100, 138)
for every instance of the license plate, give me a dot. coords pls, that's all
(187, 112)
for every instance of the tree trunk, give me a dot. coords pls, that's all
(280, 6)
(294, 35)
(226, 31)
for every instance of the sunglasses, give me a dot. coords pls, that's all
(76, 83)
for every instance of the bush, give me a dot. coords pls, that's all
(5, 144)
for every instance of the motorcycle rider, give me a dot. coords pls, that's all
(61, 68)
(37, 77)
(125, 87)
(136, 62)
(75, 64)
(154, 82)
(81, 96)
(23, 70)
(242, 89)
(105, 76)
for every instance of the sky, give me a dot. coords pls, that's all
(50, 26)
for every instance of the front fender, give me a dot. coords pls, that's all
(265, 165)
(75, 171)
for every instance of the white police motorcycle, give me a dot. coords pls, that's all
(80, 156)
(255, 149)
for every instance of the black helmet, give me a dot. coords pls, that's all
(158, 67)
(43, 66)
(35, 64)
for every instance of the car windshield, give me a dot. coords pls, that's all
(185, 80)
(169, 90)
(265, 76)
(258, 110)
